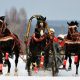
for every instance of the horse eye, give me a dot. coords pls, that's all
(39, 27)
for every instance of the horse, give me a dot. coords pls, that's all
(37, 42)
(9, 45)
(72, 44)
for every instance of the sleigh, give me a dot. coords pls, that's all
(37, 47)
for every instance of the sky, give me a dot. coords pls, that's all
(52, 9)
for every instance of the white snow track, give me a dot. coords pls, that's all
(22, 72)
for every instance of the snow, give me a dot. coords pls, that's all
(71, 72)
(21, 68)
(23, 72)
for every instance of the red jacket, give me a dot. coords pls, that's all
(55, 39)
(61, 43)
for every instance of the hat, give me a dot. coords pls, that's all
(51, 29)
(61, 36)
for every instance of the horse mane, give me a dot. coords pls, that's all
(6, 32)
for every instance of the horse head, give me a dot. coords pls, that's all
(72, 27)
(2, 25)
(40, 26)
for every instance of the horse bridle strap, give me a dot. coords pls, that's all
(6, 38)
(1, 21)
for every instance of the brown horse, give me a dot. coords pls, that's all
(9, 43)
(72, 43)
(37, 43)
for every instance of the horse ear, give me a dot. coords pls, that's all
(44, 18)
(77, 23)
(68, 23)
(37, 18)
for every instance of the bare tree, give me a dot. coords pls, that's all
(7, 17)
(13, 14)
(22, 15)
(23, 21)
(17, 22)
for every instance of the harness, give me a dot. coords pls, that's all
(38, 39)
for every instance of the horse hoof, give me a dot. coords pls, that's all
(29, 73)
(16, 69)
(25, 68)
(15, 74)
(69, 68)
(64, 67)
(4, 65)
(76, 73)
(8, 74)
(1, 73)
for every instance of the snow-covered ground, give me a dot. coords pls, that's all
(23, 72)
(21, 68)
(71, 72)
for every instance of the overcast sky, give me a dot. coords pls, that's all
(52, 9)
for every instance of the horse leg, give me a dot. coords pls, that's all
(77, 64)
(70, 61)
(46, 60)
(66, 57)
(16, 61)
(28, 65)
(77, 68)
(1, 62)
(9, 66)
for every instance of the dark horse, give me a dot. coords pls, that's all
(9, 43)
(37, 45)
(72, 43)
